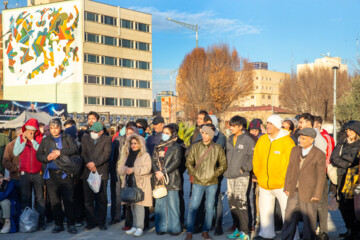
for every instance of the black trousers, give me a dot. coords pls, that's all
(61, 190)
(95, 202)
(115, 188)
(346, 207)
(79, 201)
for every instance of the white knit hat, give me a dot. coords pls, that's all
(276, 120)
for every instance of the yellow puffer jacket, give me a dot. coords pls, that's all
(271, 160)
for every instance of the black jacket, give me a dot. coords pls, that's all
(152, 141)
(69, 148)
(345, 155)
(98, 153)
(172, 163)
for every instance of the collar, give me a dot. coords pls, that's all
(305, 151)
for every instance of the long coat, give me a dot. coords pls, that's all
(311, 176)
(142, 170)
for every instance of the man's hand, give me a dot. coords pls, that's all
(91, 166)
(24, 137)
(50, 157)
(129, 171)
(287, 193)
(314, 199)
(56, 153)
(159, 175)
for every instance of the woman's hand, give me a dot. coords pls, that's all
(159, 175)
(129, 171)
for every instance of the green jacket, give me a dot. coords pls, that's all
(212, 166)
(4, 140)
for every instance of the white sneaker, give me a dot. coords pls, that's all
(138, 232)
(6, 227)
(131, 231)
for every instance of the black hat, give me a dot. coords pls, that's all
(353, 125)
(158, 120)
(308, 132)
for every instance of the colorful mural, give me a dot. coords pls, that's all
(41, 44)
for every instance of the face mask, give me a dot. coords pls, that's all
(94, 135)
(141, 131)
(165, 137)
(122, 131)
(228, 132)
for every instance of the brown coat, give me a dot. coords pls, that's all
(10, 162)
(142, 170)
(311, 176)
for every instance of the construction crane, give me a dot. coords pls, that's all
(188, 26)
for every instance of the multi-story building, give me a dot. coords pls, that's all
(326, 61)
(266, 87)
(89, 55)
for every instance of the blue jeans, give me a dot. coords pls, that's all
(197, 195)
(167, 213)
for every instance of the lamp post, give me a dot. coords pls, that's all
(189, 26)
(334, 108)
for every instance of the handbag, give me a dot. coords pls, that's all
(131, 194)
(332, 173)
(201, 159)
(160, 190)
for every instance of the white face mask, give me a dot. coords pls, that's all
(94, 135)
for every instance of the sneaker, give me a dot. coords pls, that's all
(234, 235)
(6, 227)
(138, 232)
(131, 231)
(79, 224)
(243, 236)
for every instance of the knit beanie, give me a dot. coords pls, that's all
(276, 120)
(255, 124)
(208, 130)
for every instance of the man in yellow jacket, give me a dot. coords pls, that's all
(270, 162)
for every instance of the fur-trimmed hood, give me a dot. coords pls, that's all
(139, 139)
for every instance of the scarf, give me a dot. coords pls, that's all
(160, 150)
(131, 158)
(351, 182)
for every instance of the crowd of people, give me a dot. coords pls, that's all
(276, 176)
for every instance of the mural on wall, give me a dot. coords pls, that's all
(42, 44)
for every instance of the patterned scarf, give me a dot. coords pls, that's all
(351, 182)
(159, 151)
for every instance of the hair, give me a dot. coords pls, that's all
(171, 128)
(238, 121)
(203, 112)
(131, 124)
(56, 122)
(97, 116)
(141, 142)
(70, 122)
(142, 122)
(207, 118)
(210, 125)
(318, 119)
(41, 124)
(308, 117)
(292, 126)
(120, 126)
(175, 126)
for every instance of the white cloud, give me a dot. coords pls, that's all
(208, 21)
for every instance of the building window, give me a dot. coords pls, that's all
(142, 65)
(257, 78)
(142, 27)
(127, 82)
(127, 24)
(269, 96)
(142, 84)
(252, 97)
(92, 100)
(143, 103)
(127, 63)
(257, 87)
(91, 79)
(108, 20)
(111, 61)
(92, 38)
(91, 58)
(111, 41)
(109, 101)
(109, 81)
(127, 43)
(127, 102)
(142, 46)
(263, 96)
(91, 17)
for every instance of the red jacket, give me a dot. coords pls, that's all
(330, 145)
(27, 159)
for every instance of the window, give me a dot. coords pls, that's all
(109, 41)
(110, 101)
(92, 38)
(110, 81)
(263, 96)
(127, 102)
(143, 103)
(127, 43)
(142, 27)
(142, 46)
(91, 58)
(91, 17)
(91, 79)
(92, 100)
(142, 65)
(269, 97)
(111, 61)
(108, 20)
(127, 24)
(252, 97)
(127, 63)
(127, 83)
(142, 84)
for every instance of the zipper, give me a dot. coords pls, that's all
(267, 164)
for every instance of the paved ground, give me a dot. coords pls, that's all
(335, 224)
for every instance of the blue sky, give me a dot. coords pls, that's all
(261, 30)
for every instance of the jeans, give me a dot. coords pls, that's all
(61, 189)
(5, 208)
(95, 202)
(196, 197)
(167, 213)
(28, 182)
(138, 213)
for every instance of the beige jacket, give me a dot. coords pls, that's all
(142, 169)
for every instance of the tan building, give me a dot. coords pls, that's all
(326, 61)
(115, 61)
(170, 109)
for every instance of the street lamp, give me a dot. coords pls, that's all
(171, 80)
(189, 26)
(334, 108)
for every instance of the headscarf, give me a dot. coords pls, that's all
(160, 149)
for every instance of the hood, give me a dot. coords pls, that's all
(140, 139)
(355, 126)
(282, 133)
(33, 123)
(72, 131)
(135, 130)
(323, 131)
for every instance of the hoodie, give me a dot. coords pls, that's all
(271, 159)
(27, 150)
